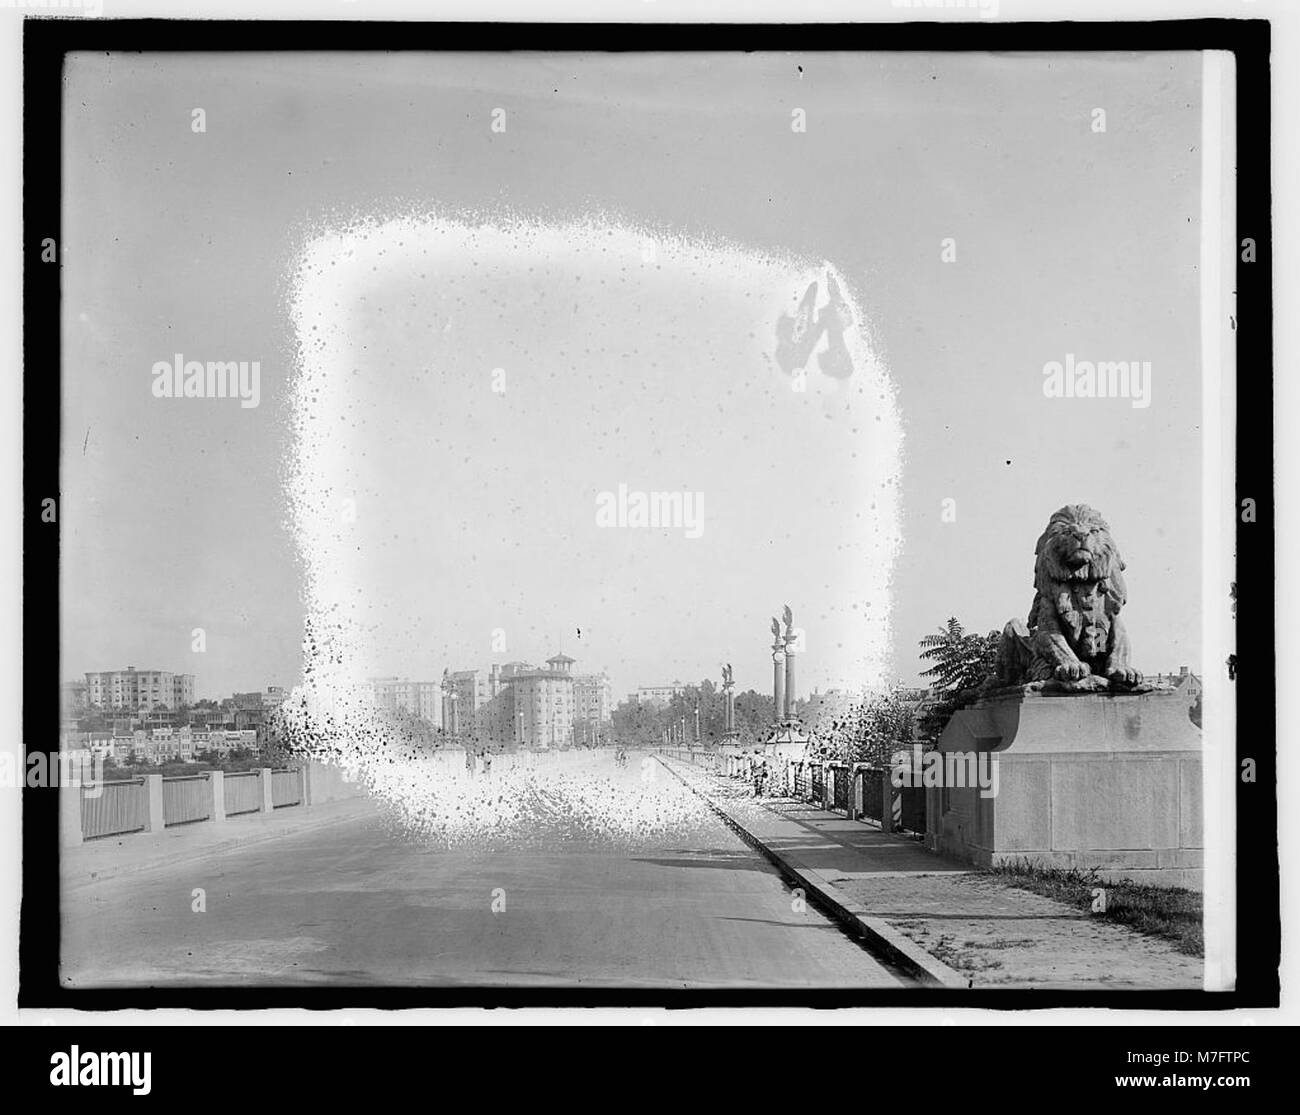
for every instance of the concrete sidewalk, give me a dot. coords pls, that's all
(947, 923)
(112, 856)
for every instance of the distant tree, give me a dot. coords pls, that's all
(642, 724)
(870, 730)
(1194, 711)
(635, 725)
(753, 716)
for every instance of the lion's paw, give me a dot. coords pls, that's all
(1072, 671)
(1124, 675)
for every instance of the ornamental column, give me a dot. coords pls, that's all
(790, 640)
(778, 674)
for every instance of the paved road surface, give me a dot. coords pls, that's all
(363, 903)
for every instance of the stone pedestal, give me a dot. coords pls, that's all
(154, 797)
(217, 784)
(1082, 780)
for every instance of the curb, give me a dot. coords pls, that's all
(880, 938)
(116, 871)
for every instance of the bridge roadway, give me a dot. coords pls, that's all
(362, 902)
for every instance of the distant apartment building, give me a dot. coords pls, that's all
(419, 698)
(519, 703)
(475, 702)
(593, 699)
(543, 704)
(659, 695)
(135, 690)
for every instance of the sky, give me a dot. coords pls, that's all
(473, 510)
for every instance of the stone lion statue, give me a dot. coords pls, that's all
(1075, 640)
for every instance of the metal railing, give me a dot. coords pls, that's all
(913, 814)
(840, 793)
(120, 807)
(712, 760)
(873, 794)
(243, 792)
(857, 789)
(286, 788)
(802, 780)
(186, 799)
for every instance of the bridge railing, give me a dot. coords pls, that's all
(700, 756)
(242, 792)
(286, 788)
(119, 808)
(90, 810)
(186, 799)
(861, 791)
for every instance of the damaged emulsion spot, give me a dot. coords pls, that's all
(463, 394)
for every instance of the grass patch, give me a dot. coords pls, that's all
(1171, 913)
(961, 955)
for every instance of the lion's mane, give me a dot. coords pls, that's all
(1056, 581)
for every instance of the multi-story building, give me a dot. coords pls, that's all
(139, 690)
(131, 743)
(223, 742)
(169, 743)
(543, 704)
(419, 698)
(659, 695)
(213, 719)
(471, 700)
(521, 704)
(592, 698)
(249, 710)
(97, 744)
